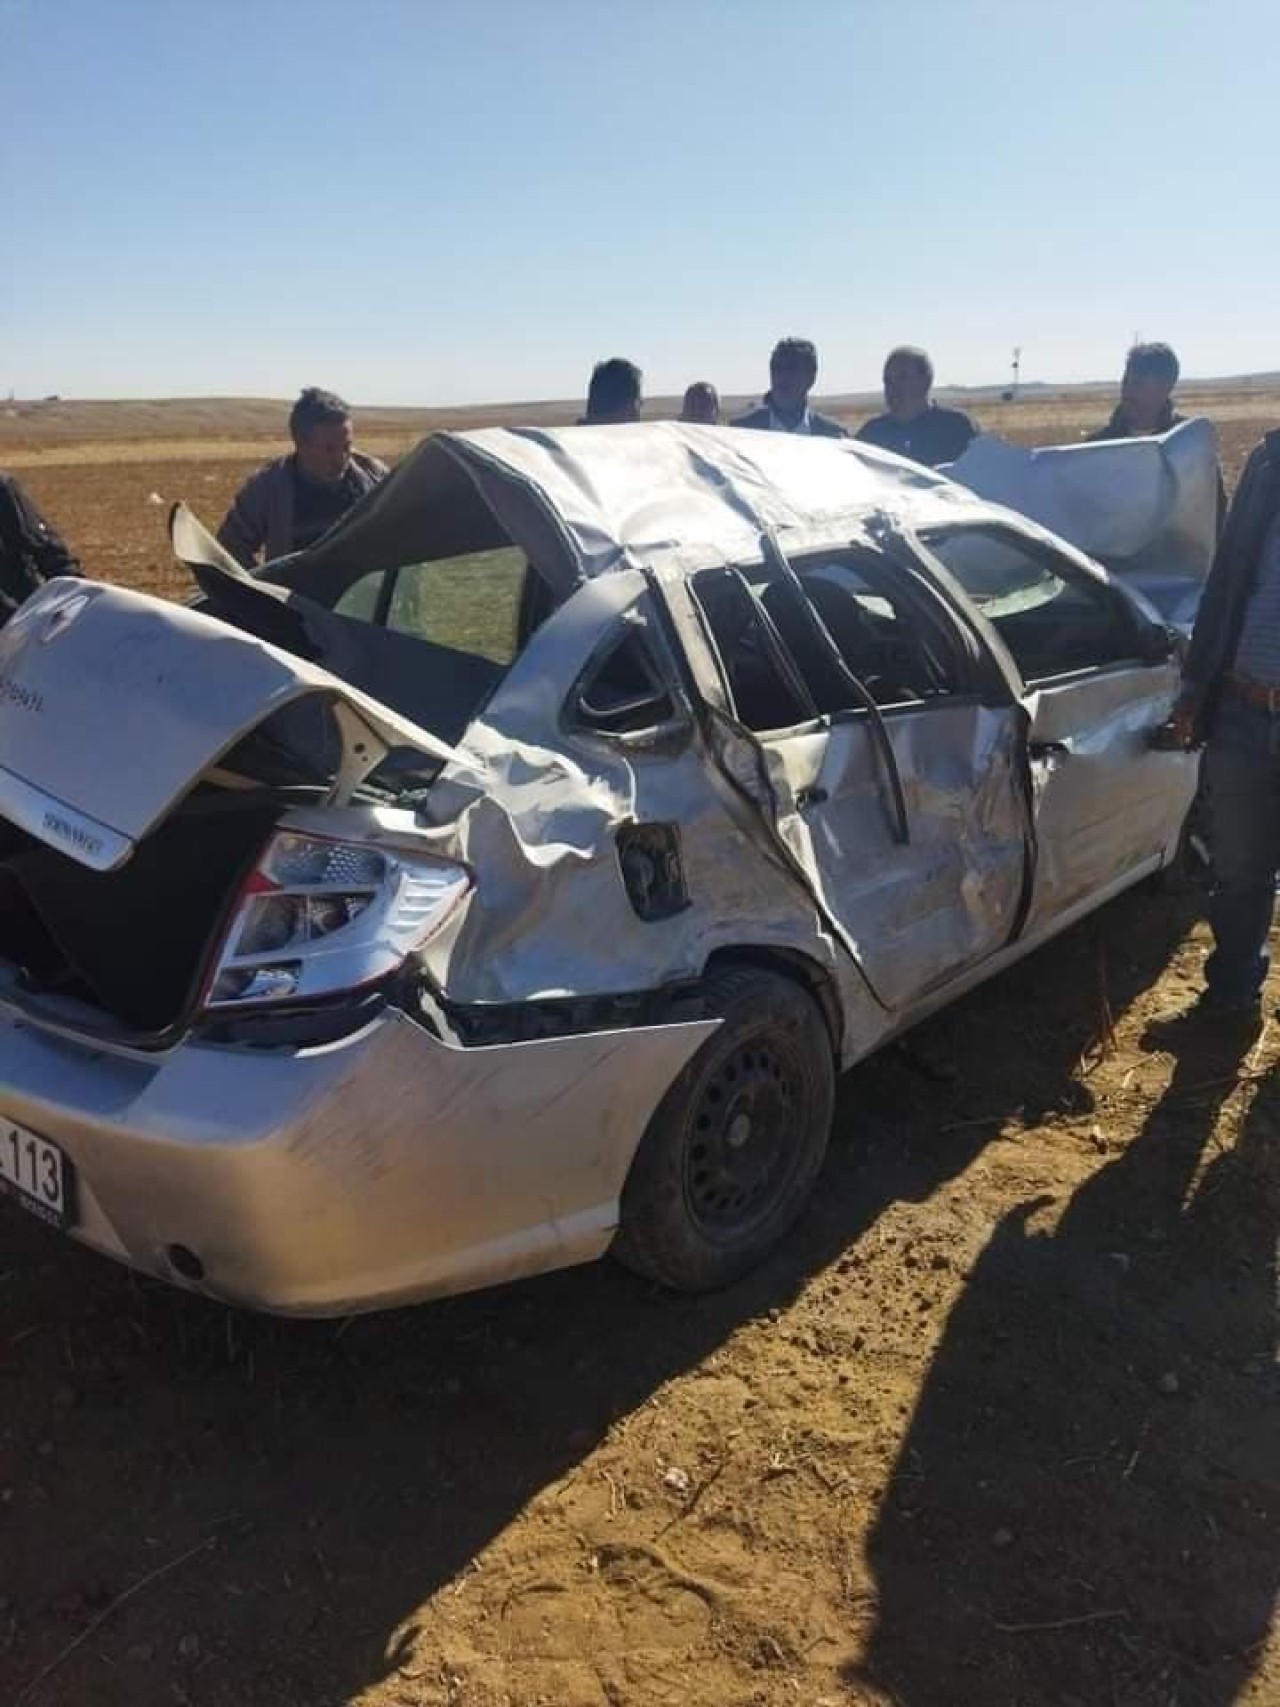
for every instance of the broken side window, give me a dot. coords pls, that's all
(765, 686)
(1054, 618)
(623, 691)
(901, 653)
(782, 669)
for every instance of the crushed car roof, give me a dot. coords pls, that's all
(584, 501)
(587, 500)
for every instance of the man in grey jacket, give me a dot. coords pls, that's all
(290, 502)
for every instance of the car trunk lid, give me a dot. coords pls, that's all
(113, 704)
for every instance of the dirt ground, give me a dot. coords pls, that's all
(997, 1428)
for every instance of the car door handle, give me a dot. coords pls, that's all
(1050, 750)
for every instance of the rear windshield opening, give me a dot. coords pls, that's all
(468, 604)
(431, 640)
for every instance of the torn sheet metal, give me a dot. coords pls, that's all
(1146, 508)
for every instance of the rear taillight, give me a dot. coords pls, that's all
(316, 917)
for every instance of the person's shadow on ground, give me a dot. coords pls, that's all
(1133, 1557)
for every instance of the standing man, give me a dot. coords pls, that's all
(701, 404)
(31, 553)
(793, 369)
(1146, 404)
(1146, 395)
(614, 394)
(1231, 698)
(912, 424)
(290, 502)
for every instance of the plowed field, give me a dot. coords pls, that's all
(999, 1427)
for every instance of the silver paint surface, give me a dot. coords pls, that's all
(398, 1165)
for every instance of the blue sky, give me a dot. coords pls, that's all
(435, 201)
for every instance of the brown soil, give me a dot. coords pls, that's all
(997, 1428)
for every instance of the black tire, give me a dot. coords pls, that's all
(734, 1147)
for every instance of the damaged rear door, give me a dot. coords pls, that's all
(893, 780)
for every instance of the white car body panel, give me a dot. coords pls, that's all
(447, 1142)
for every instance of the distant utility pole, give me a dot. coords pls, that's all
(1011, 396)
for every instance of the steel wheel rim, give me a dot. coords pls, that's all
(741, 1145)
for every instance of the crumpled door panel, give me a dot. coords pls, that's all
(918, 913)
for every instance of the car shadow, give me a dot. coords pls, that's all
(341, 1474)
(1084, 1506)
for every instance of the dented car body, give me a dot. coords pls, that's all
(509, 874)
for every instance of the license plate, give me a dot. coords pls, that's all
(35, 1172)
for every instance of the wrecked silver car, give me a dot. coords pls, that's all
(506, 878)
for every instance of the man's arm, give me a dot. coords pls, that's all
(244, 527)
(1204, 656)
(47, 550)
(963, 430)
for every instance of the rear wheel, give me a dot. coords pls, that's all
(734, 1147)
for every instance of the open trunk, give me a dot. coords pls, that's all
(131, 943)
(146, 751)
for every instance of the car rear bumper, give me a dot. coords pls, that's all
(381, 1169)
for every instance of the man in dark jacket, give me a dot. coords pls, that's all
(31, 552)
(1146, 403)
(1230, 699)
(289, 503)
(1146, 395)
(615, 394)
(913, 425)
(793, 369)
